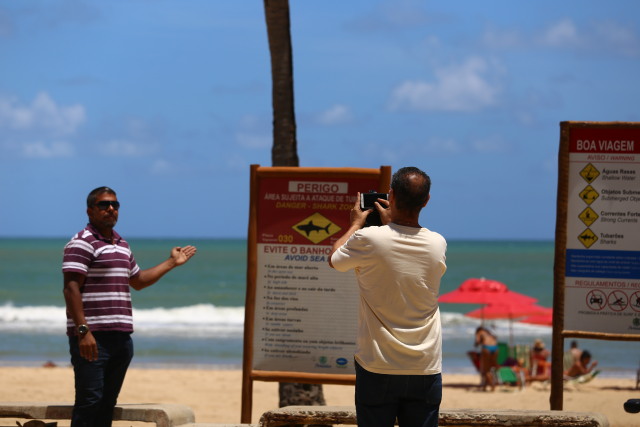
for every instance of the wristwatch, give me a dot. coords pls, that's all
(82, 329)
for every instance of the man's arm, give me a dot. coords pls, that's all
(357, 218)
(151, 275)
(73, 282)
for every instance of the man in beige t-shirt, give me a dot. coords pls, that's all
(399, 345)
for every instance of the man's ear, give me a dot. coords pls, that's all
(426, 201)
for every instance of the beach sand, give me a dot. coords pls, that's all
(215, 395)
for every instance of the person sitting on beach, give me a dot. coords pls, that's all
(571, 356)
(540, 365)
(488, 356)
(575, 351)
(582, 366)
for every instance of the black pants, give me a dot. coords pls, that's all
(413, 399)
(98, 383)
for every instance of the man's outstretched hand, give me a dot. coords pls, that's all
(182, 255)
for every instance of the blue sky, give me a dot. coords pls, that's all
(169, 103)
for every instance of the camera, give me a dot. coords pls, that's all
(367, 201)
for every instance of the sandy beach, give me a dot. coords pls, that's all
(214, 395)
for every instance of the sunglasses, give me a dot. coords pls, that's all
(103, 205)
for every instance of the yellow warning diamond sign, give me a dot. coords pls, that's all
(316, 228)
(587, 238)
(589, 173)
(589, 195)
(588, 216)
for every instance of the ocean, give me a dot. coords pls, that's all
(193, 317)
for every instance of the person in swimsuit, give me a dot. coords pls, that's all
(540, 364)
(488, 356)
(582, 366)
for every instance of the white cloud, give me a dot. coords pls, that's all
(606, 36)
(491, 144)
(337, 114)
(161, 167)
(123, 148)
(394, 15)
(458, 88)
(561, 34)
(251, 131)
(505, 39)
(42, 115)
(443, 146)
(45, 150)
(249, 140)
(618, 38)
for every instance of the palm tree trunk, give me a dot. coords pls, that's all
(285, 150)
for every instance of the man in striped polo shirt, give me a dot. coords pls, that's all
(99, 269)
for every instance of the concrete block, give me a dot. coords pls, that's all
(165, 415)
(458, 417)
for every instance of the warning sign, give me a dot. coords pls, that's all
(316, 228)
(600, 193)
(596, 300)
(617, 300)
(635, 301)
(589, 195)
(588, 216)
(588, 238)
(589, 173)
(305, 313)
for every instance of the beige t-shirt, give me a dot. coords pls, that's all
(399, 270)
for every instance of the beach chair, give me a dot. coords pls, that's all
(508, 372)
(576, 382)
(503, 353)
(506, 375)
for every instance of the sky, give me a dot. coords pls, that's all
(169, 103)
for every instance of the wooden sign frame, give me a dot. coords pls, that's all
(380, 178)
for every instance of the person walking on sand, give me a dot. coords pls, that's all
(98, 271)
(398, 265)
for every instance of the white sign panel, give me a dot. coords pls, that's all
(602, 277)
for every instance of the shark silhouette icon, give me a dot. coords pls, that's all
(310, 226)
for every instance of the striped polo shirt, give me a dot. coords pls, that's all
(107, 267)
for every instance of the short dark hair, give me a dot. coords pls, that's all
(410, 194)
(585, 354)
(91, 198)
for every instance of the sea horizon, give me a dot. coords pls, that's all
(194, 317)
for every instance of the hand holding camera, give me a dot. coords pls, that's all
(368, 201)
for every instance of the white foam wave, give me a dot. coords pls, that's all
(457, 325)
(207, 320)
(199, 320)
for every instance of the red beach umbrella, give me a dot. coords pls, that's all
(484, 291)
(507, 311)
(544, 319)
